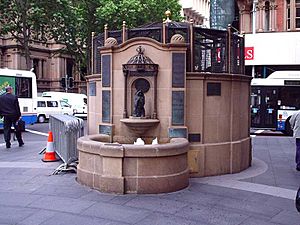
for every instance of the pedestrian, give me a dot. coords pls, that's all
(10, 110)
(295, 125)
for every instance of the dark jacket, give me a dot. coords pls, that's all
(9, 105)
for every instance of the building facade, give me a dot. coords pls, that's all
(47, 61)
(272, 35)
(198, 10)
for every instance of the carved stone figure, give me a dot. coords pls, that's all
(139, 102)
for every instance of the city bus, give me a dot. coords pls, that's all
(274, 100)
(24, 85)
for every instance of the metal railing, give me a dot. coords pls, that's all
(66, 130)
(209, 50)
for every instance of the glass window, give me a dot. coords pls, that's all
(64, 104)
(23, 87)
(298, 16)
(292, 14)
(290, 97)
(297, 12)
(267, 16)
(41, 104)
(35, 65)
(52, 104)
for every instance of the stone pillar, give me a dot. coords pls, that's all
(260, 8)
(125, 96)
(105, 32)
(124, 32)
(273, 9)
(155, 97)
(164, 32)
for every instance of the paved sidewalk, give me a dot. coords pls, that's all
(262, 195)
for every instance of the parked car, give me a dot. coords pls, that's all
(50, 106)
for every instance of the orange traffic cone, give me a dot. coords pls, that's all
(49, 155)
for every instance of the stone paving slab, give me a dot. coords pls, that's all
(30, 195)
(119, 213)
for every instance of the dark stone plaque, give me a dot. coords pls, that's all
(177, 132)
(92, 89)
(178, 108)
(194, 137)
(213, 89)
(106, 106)
(106, 71)
(178, 69)
(105, 129)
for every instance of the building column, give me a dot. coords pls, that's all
(125, 95)
(292, 14)
(260, 17)
(272, 17)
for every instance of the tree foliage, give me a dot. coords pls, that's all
(71, 22)
(135, 12)
(23, 20)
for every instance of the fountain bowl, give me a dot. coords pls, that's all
(139, 125)
(127, 168)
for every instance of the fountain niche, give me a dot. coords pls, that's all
(111, 162)
(175, 85)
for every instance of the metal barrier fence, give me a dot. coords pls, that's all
(66, 130)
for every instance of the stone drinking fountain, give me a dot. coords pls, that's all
(152, 84)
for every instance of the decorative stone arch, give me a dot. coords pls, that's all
(149, 94)
(140, 67)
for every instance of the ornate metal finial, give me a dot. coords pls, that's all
(168, 14)
(140, 50)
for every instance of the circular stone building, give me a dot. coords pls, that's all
(194, 88)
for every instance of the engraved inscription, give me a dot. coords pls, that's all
(213, 89)
(194, 137)
(106, 106)
(177, 133)
(178, 69)
(106, 73)
(104, 129)
(177, 108)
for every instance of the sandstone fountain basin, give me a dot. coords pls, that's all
(127, 168)
(139, 126)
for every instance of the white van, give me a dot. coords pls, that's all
(51, 106)
(77, 101)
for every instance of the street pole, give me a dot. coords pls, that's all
(66, 88)
(254, 28)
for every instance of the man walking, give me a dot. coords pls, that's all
(295, 125)
(10, 110)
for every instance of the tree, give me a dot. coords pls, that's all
(24, 21)
(71, 22)
(135, 12)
